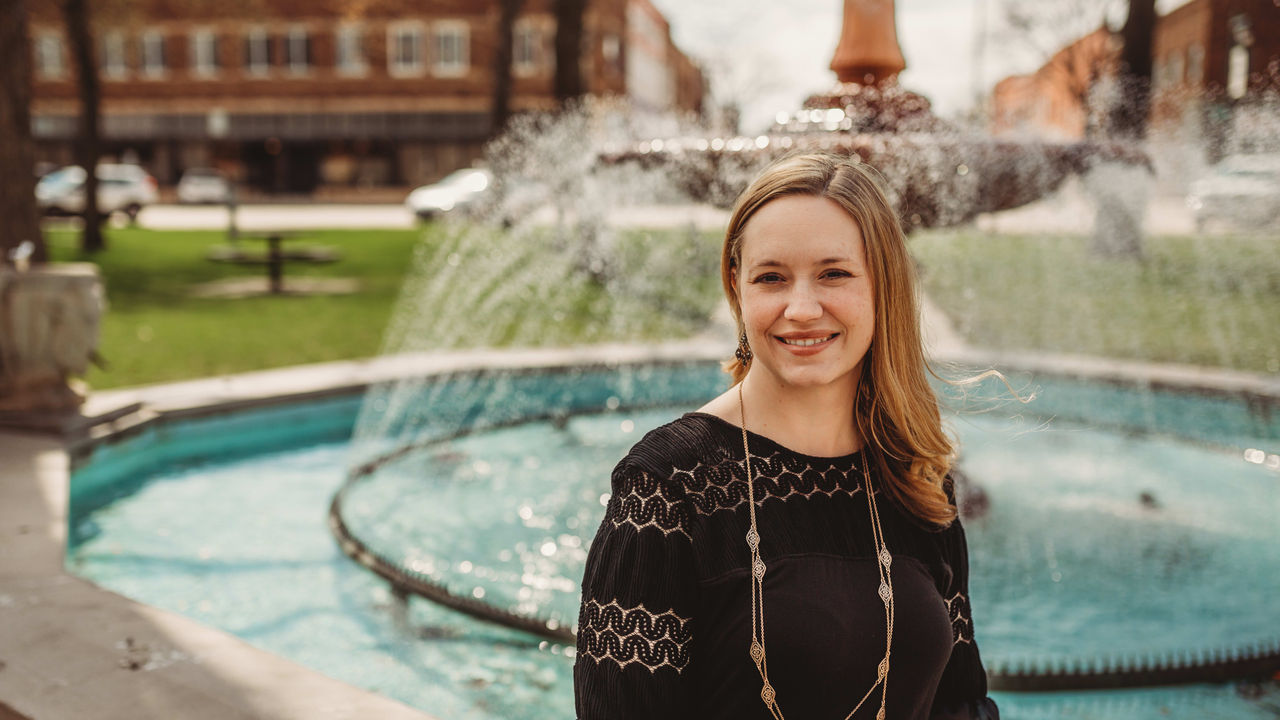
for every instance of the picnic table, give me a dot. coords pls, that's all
(275, 256)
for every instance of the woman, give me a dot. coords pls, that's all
(827, 577)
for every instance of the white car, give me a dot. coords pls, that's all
(1242, 189)
(203, 185)
(121, 188)
(458, 191)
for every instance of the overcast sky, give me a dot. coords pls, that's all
(773, 53)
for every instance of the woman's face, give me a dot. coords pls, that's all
(805, 292)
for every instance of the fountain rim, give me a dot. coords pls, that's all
(112, 416)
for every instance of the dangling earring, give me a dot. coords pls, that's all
(743, 353)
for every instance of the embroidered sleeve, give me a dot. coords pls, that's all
(635, 627)
(962, 691)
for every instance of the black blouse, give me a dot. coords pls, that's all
(665, 622)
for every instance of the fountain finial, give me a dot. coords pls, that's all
(868, 53)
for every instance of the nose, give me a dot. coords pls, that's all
(803, 304)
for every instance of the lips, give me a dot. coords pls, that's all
(807, 340)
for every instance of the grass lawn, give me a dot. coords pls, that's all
(1201, 300)
(480, 287)
(1208, 301)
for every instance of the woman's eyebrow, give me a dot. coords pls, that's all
(779, 263)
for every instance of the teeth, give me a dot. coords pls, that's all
(807, 342)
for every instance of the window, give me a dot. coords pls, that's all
(204, 52)
(404, 49)
(298, 50)
(154, 61)
(527, 48)
(450, 41)
(1237, 71)
(49, 60)
(611, 48)
(1195, 65)
(350, 44)
(257, 52)
(114, 65)
(1176, 68)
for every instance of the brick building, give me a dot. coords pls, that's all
(293, 95)
(1053, 101)
(1212, 62)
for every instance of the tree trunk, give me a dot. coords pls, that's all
(1133, 105)
(508, 10)
(1122, 194)
(568, 80)
(17, 151)
(88, 142)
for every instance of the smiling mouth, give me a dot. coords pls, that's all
(807, 342)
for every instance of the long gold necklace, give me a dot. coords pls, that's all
(757, 651)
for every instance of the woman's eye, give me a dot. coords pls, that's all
(837, 274)
(768, 278)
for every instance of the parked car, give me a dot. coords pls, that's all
(121, 188)
(203, 185)
(459, 191)
(1242, 189)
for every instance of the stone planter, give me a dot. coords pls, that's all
(49, 317)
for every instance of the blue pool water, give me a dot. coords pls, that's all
(204, 518)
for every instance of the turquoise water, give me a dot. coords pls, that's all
(1068, 564)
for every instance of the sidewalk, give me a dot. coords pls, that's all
(1070, 211)
(70, 650)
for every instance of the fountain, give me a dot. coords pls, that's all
(937, 174)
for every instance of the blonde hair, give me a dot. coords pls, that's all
(896, 411)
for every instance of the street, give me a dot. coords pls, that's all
(1069, 211)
